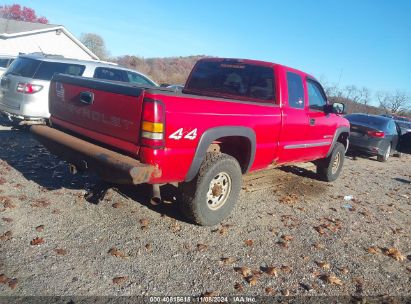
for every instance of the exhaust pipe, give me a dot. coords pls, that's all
(156, 197)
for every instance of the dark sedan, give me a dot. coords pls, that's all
(373, 135)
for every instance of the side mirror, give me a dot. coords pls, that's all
(337, 108)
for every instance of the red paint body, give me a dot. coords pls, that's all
(115, 120)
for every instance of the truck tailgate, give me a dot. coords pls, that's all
(103, 107)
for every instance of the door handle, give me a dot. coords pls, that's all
(87, 97)
(312, 121)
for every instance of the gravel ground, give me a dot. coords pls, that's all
(290, 234)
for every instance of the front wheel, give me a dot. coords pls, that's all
(330, 168)
(210, 197)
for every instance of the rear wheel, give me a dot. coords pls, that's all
(386, 155)
(211, 196)
(330, 168)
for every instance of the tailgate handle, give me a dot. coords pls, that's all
(87, 97)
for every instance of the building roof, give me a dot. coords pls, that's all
(8, 26)
(13, 28)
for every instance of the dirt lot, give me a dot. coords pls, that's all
(290, 234)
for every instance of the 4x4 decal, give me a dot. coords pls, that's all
(177, 135)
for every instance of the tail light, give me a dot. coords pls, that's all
(375, 134)
(153, 124)
(28, 88)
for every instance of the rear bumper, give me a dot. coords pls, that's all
(109, 165)
(367, 147)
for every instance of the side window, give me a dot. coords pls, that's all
(136, 78)
(316, 98)
(295, 91)
(110, 74)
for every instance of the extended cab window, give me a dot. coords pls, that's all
(110, 74)
(4, 63)
(295, 90)
(235, 80)
(316, 97)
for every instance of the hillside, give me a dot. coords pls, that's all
(170, 70)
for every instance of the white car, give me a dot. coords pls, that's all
(25, 85)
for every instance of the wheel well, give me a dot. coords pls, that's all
(236, 146)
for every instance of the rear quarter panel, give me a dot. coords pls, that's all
(195, 116)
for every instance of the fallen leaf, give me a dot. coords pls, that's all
(373, 250)
(117, 253)
(323, 265)
(117, 205)
(6, 236)
(238, 287)
(7, 219)
(13, 283)
(252, 280)
(60, 251)
(289, 199)
(41, 203)
(394, 253)
(272, 271)
(344, 270)
(228, 261)
(320, 230)
(40, 228)
(287, 238)
(119, 280)
(331, 279)
(144, 223)
(3, 279)
(249, 242)
(202, 247)
(210, 294)
(285, 292)
(286, 268)
(283, 244)
(148, 247)
(268, 290)
(37, 241)
(318, 245)
(244, 271)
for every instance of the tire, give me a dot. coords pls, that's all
(330, 168)
(386, 155)
(213, 193)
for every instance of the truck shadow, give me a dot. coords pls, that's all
(23, 153)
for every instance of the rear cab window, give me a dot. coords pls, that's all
(235, 80)
(24, 67)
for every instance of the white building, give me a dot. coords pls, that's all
(27, 37)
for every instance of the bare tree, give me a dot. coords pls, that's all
(394, 103)
(96, 44)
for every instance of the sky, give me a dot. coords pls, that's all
(363, 43)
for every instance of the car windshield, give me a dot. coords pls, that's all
(232, 80)
(374, 121)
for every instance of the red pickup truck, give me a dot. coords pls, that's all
(232, 117)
